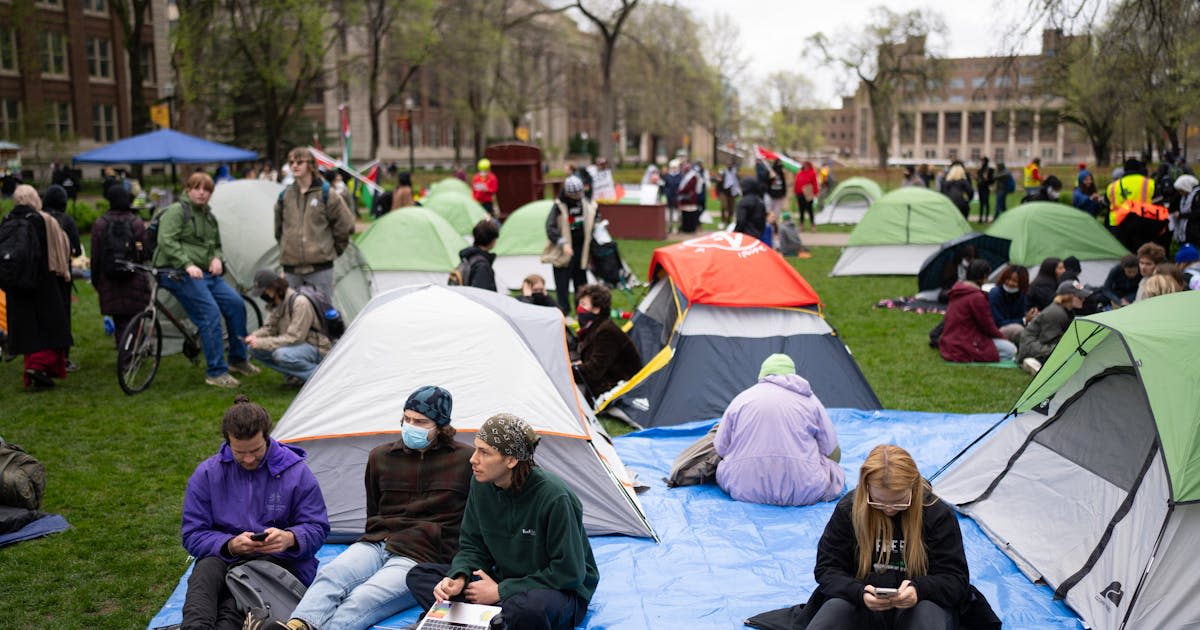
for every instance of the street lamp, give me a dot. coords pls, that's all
(408, 106)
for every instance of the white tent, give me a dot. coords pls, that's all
(494, 354)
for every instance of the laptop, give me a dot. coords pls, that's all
(458, 616)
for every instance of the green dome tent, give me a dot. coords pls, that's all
(450, 184)
(848, 203)
(899, 232)
(410, 246)
(1092, 484)
(1042, 229)
(459, 210)
(519, 248)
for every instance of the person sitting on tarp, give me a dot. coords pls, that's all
(255, 499)
(776, 442)
(1010, 309)
(892, 557)
(970, 335)
(1042, 334)
(1121, 285)
(1041, 289)
(607, 355)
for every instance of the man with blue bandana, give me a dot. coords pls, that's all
(417, 488)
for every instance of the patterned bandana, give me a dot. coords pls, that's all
(510, 435)
(432, 402)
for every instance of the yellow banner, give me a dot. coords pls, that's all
(161, 115)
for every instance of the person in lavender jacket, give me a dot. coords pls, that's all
(776, 442)
(253, 485)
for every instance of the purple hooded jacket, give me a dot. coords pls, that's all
(223, 500)
(774, 441)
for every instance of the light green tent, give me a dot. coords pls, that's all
(459, 210)
(1093, 484)
(410, 246)
(450, 184)
(519, 248)
(1043, 229)
(848, 203)
(899, 231)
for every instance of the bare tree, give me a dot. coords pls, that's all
(609, 20)
(890, 59)
(132, 15)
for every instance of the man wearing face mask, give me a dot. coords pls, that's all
(417, 489)
(291, 341)
(607, 355)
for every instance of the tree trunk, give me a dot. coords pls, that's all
(607, 107)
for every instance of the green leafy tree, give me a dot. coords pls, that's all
(132, 15)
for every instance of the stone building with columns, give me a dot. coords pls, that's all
(983, 106)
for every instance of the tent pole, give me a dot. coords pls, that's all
(174, 180)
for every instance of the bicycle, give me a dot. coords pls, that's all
(140, 349)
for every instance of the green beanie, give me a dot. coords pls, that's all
(777, 364)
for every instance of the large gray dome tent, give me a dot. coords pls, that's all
(849, 201)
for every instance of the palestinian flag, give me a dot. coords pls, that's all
(366, 192)
(324, 160)
(770, 156)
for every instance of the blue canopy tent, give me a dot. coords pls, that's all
(165, 146)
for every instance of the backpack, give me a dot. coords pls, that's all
(265, 585)
(22, 477)
(329, 319)
(20, 252)
(119, 244)
(460, 276)
(324, 193)
(696, 464)
(150, 241)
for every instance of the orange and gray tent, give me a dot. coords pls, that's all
(494, 354)
(718, 306)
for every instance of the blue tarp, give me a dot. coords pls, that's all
(165, 146)
(721, 561)
(44, 526)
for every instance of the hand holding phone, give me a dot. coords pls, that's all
(884, 593)
(261, 536)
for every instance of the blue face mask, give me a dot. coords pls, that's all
(413, 437)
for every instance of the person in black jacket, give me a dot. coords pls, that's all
(1121, 285)
(54, 203)
(891, 532)
(481, 274)
(751, 212)
(607, 355)
(1045, 283)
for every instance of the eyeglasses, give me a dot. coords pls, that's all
(890, 506)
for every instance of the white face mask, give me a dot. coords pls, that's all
(1008, 289)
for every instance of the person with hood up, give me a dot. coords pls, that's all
(54, 203)
(1005, 184)
(1086, 197)
(751, 211)
(1048, 191)
(777, 443)
(970, 334)
(122, 294)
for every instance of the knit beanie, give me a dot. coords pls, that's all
(777, 364)
(432, 402)
(510, 435)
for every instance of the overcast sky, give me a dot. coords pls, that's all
(773, 32)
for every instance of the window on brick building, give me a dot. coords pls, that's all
(54, 53)
(99, 58)
(104, 123)
(8, 49)
(58, 120)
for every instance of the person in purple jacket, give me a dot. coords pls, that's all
(776, 442)
(252, 486)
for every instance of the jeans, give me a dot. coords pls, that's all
(206, 301)
(299, 360)
(357, 589)
(839, 614)
(322, 279)
(535, 609)
(1006, 348)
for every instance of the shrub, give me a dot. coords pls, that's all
(85, 213)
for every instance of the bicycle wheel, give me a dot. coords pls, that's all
(254, 318)
(139, 353)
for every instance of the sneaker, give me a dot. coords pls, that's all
(1031, 365)
(293, 382)
(72, 366)
(224, 380)
(39, 380)
(260, 619)
(244, 367)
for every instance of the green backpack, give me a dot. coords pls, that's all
(22, 477)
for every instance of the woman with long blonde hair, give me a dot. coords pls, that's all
(891, 555)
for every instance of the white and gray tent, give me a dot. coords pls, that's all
(494, 354)
(1093, 483)
(849, 201)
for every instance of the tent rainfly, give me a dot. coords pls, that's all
(519, 248)
(410, 246)
(450, 184)
(849, 201)
(1042, 229)
(899, 232)
(461, 211)
(494, 354)
(718, 306)
(1093, 483)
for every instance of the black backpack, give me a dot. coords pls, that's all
(460, 276)
(20, 251)
(329, 319)
(150, 241)
(119, 244)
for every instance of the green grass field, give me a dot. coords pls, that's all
(117, 465)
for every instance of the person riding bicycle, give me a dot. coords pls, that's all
(189, 240)
(123, 292)
(291, 341)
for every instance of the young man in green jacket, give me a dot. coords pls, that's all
(522, 545)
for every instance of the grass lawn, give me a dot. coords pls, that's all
(117, 465)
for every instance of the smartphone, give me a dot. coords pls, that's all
(259, 537)
(884, 593)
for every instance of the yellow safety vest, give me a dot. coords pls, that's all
(1131, 187)
(1030, 180)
